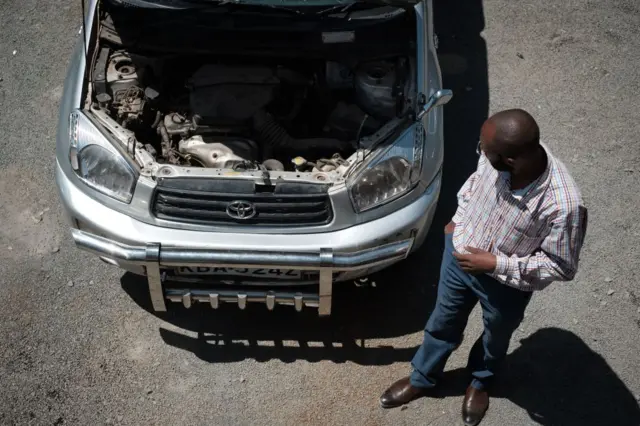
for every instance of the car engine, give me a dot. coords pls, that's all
(239, 115)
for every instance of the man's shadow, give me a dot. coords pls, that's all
(559, 380)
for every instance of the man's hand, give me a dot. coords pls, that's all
(477, 262)
(451, 226)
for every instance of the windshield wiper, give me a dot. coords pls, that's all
(343, 8)
(365, 10)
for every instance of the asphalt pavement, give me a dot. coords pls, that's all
(79, 344)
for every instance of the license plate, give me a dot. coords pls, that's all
(283, 274)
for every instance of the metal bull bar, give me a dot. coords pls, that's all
(153, 256)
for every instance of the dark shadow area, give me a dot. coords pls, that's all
(559, 381)
(404, 296)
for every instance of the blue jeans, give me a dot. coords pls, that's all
(458, 292)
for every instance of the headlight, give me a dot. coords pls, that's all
(97, 162)
(391, 174)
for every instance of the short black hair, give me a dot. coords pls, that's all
(517, 132)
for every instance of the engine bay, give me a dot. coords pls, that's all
(251, 114)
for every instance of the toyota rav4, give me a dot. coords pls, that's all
(252, 150)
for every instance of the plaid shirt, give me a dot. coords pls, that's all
(536, 237)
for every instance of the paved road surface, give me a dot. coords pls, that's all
(79, 346)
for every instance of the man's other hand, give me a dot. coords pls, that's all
(477, 261)
(451, 226)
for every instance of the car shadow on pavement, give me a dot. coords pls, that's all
(559, 380)
(405, 293)
(228, 334)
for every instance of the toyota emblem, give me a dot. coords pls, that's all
(242, 210)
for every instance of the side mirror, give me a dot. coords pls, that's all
(441, 97)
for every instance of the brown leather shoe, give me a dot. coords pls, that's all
(474, 406)
(400, 393)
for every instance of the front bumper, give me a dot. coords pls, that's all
(151, 250)
(154, 256)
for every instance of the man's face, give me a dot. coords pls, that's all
(492, 150)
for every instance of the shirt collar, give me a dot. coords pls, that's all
(537, 188)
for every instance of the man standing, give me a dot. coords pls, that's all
(519, 226)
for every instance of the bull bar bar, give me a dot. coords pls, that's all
(153, 256)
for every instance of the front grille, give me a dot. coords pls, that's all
(241, 202)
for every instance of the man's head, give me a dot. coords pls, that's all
(510, 140)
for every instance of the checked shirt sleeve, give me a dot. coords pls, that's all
(557, 259)
(467, 189)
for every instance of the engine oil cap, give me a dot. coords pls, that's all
(299, 162)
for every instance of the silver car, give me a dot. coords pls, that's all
(254, 150)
